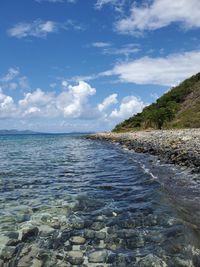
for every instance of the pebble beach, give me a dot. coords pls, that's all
(180, 147)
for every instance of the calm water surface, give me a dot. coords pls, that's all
(69, 201)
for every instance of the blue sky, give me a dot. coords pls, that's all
(85, 65)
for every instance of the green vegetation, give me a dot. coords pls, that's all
(178, 108)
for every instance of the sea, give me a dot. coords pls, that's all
(66, 200)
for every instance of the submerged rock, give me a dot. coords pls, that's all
(152, 261)
(75, 257)
(77, 240)
(29, 232)
(99, 256)
(7, 253)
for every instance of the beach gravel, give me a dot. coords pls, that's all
(180, 147)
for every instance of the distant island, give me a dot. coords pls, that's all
(177, 109)
(10, 132)
(14, 132)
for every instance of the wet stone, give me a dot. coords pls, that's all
(152, 261)
(13, 242)
(77, 223)
(89, 234)
(112, 243)
(45, 231)
(99, 256)
(100, 235)
(124, 260)
(97, 226)
(67, 246)
(37, 263)
(66, 234)
(55, 225)
(77, 240)
(133, 243)
(12, 235)
(60, 256)
(196, 260)
(7, 253)
(75, 257)
(178, 262)
(29, 232)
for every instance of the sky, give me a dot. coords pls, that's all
(86, 65)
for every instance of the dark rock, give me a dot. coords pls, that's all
(7, 253)
(29, 232)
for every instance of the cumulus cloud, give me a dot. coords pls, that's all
(107, 102)
(7, 107)
(13, 80)
(64, 84)
(39, 28)
(159, 14)
(166, 71)
(77, 97)
(72, 103)
(129, 106)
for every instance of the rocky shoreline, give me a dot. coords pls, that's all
(181, 147)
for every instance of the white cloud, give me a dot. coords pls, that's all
(41, 29)
(71, 103)
(125, 50)
(72, 106)
(129, 106)
(159, 14)
(7, 107)
(78, 99)
(101, 44)
(12, 73)
(53, 85)
(64, 84)
(166, 71)
(107, 102)
(12, 86)
(100, 3)
(83, 78)
(13, 80)
(37, 28)
(23, 83)
(117, 4)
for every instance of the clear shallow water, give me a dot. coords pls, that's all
(61, 193)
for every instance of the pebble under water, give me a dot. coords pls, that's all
(68, 201)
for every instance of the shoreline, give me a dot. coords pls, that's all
(180, 147)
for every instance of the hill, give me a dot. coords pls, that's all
(178, 108)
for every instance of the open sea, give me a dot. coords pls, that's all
(69, 201)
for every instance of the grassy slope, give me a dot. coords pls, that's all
(178, 108)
